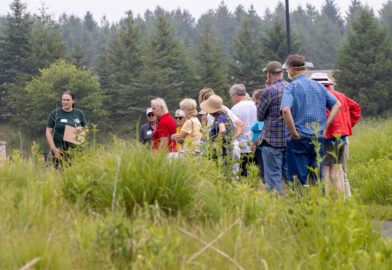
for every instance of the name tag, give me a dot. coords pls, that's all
(63, 120)
(149, 132)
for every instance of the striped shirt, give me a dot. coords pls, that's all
(268, 111)
(307, 100)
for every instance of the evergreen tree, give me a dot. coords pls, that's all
(386, 15)
(121, 67)
(275, 43)
(327, 40)
(14, 49)
(45, 44)
(166, 72)
(330, 10)
(303, 24)
(222, 24)
(352, 12)
(248, 61)
(364, 64)
(211, 71)
(77, 57)
(278, 16)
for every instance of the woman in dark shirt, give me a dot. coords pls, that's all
(58, 119)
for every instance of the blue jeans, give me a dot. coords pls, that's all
(301, 155)
(275, 167)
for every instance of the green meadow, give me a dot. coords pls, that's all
(120, 206)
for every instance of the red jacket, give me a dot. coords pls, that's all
(347, 117)
(166, 128)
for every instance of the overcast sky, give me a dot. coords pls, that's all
(115, 9)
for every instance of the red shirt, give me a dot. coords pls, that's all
(347, 117)
(165, 128)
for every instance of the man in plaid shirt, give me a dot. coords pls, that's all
(273, 137)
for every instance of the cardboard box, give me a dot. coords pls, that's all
(72, 136)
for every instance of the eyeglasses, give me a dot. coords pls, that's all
(179, 117)
(150, 115)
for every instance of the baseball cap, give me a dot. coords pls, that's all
(273, 67)
(149, 110)
(321, 78)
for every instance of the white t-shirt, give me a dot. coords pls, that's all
(246, 111)
(210, 119)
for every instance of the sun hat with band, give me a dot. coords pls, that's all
(321, 78)
(213, 104)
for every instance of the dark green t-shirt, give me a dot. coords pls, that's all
(59, 118)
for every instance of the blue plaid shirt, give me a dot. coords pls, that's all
(268, 111)
(307, 100)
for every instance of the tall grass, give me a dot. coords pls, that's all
(370, 161)
(138, 175)
(177, 214)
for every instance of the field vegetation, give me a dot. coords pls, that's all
(120, 206)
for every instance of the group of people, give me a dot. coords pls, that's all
(295, 132)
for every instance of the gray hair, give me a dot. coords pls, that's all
(159, 102)
(189, 105)
(238, 89)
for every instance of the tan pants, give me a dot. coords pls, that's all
(343, 173)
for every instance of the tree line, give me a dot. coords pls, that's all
(115, 69)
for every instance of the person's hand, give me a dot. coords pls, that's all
(253, 147)
(325, 134)
(78, 129)
(295, 136)
(57, 152)
(175, 137)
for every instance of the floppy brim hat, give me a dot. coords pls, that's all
(213, 104)
(321, 78)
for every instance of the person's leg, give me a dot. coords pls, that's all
(244, 163)
(259, 161)
(297, 160)
(272, 159)
(334, 179)
(343, 172)
(285, 173)
(327, 179)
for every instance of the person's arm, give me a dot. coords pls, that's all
(255, 143)
(179, 137)
(222, 130)
(49, 139)
(163, 142)
(262, 107)
(288, 119)
(332, 115)
(83, 123)
(355, 111)
(239, 128)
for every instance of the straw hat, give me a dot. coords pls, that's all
(213, 104)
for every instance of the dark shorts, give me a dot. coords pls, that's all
(333, 153)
